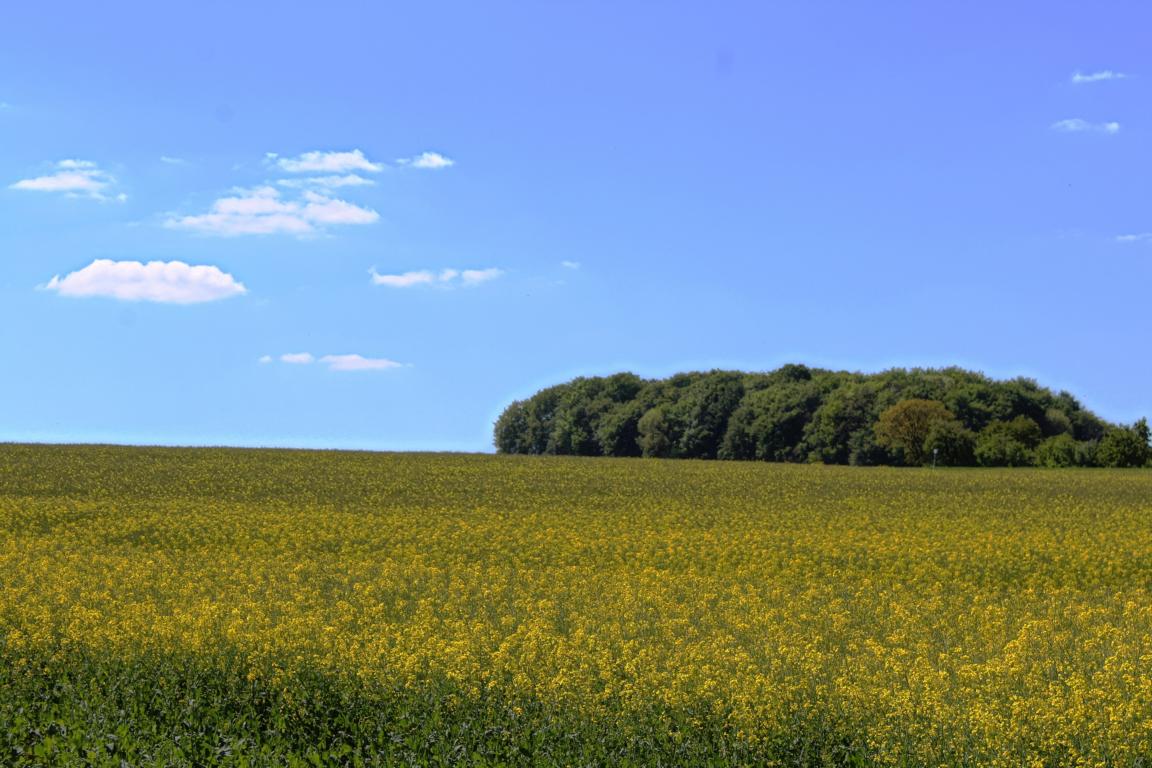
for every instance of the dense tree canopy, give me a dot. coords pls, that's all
(802, 414)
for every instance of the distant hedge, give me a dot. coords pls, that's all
(949, 416)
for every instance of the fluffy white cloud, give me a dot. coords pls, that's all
(1077, 125)
(1078, 78)
(326, 162)
(75, 178)
(326, 182)
(321, 209)
(358, 363)
(262, 211)
(431, 160)
(446, 277)
(1140, 237)
(265, 359)
(297, 358)
(171, 282)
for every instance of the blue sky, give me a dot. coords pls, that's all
(373, 225)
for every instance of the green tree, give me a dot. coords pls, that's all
(1026, 431)
(655, 438)
(1056, 422)
(539, 411)
(997, 445)
(905, 427)
(951, 444)
(1125, 446)
(703, 411)
(847, 410)
(618, 430)
(796, 413)
(1058, 451)
(769, 424)
(511, 429)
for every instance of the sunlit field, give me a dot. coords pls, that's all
(232, 607)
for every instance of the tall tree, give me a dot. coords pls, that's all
(906, 425)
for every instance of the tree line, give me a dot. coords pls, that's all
(949, 416)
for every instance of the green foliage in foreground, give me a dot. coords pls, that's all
(82, 710)
(912, 417)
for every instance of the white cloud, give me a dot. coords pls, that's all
(173, 160)
(430, 160)
(338, 362)
(326, 182)
(321, 209)
(405, 280)
(265, 359)
(1077, 125)
(4, 106)
(75, 178)
(445, 277)
(477, 276)
(570, 264)
(326, 162)
(358, 363)
(171, 282)
(1142, 237)
(261, 211)
(1078, 78)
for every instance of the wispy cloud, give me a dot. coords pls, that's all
(173, 160)
(1079, 78)
(4, 106)
(74, 178)
(168, 282)
(429, 160)
(1078, 125)
(445, 277)
(350, 362)
(262, 211)
(358, 363)
(1141, 237)
(326, 162)
(326, 182)
(405, 280)
(477, 276)
(570, 264)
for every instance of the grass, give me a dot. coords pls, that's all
(240, 607)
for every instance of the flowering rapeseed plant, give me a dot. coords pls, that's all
(904, 617)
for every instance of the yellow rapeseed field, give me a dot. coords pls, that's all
(927, 617)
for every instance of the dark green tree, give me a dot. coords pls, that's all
(511, 430)
(797, 413)
(619, 430)
(769, 425)
(847, 410)
(997, 445)
(703, 411)
(950, 444)
(1058, 451)
(1125, 446)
